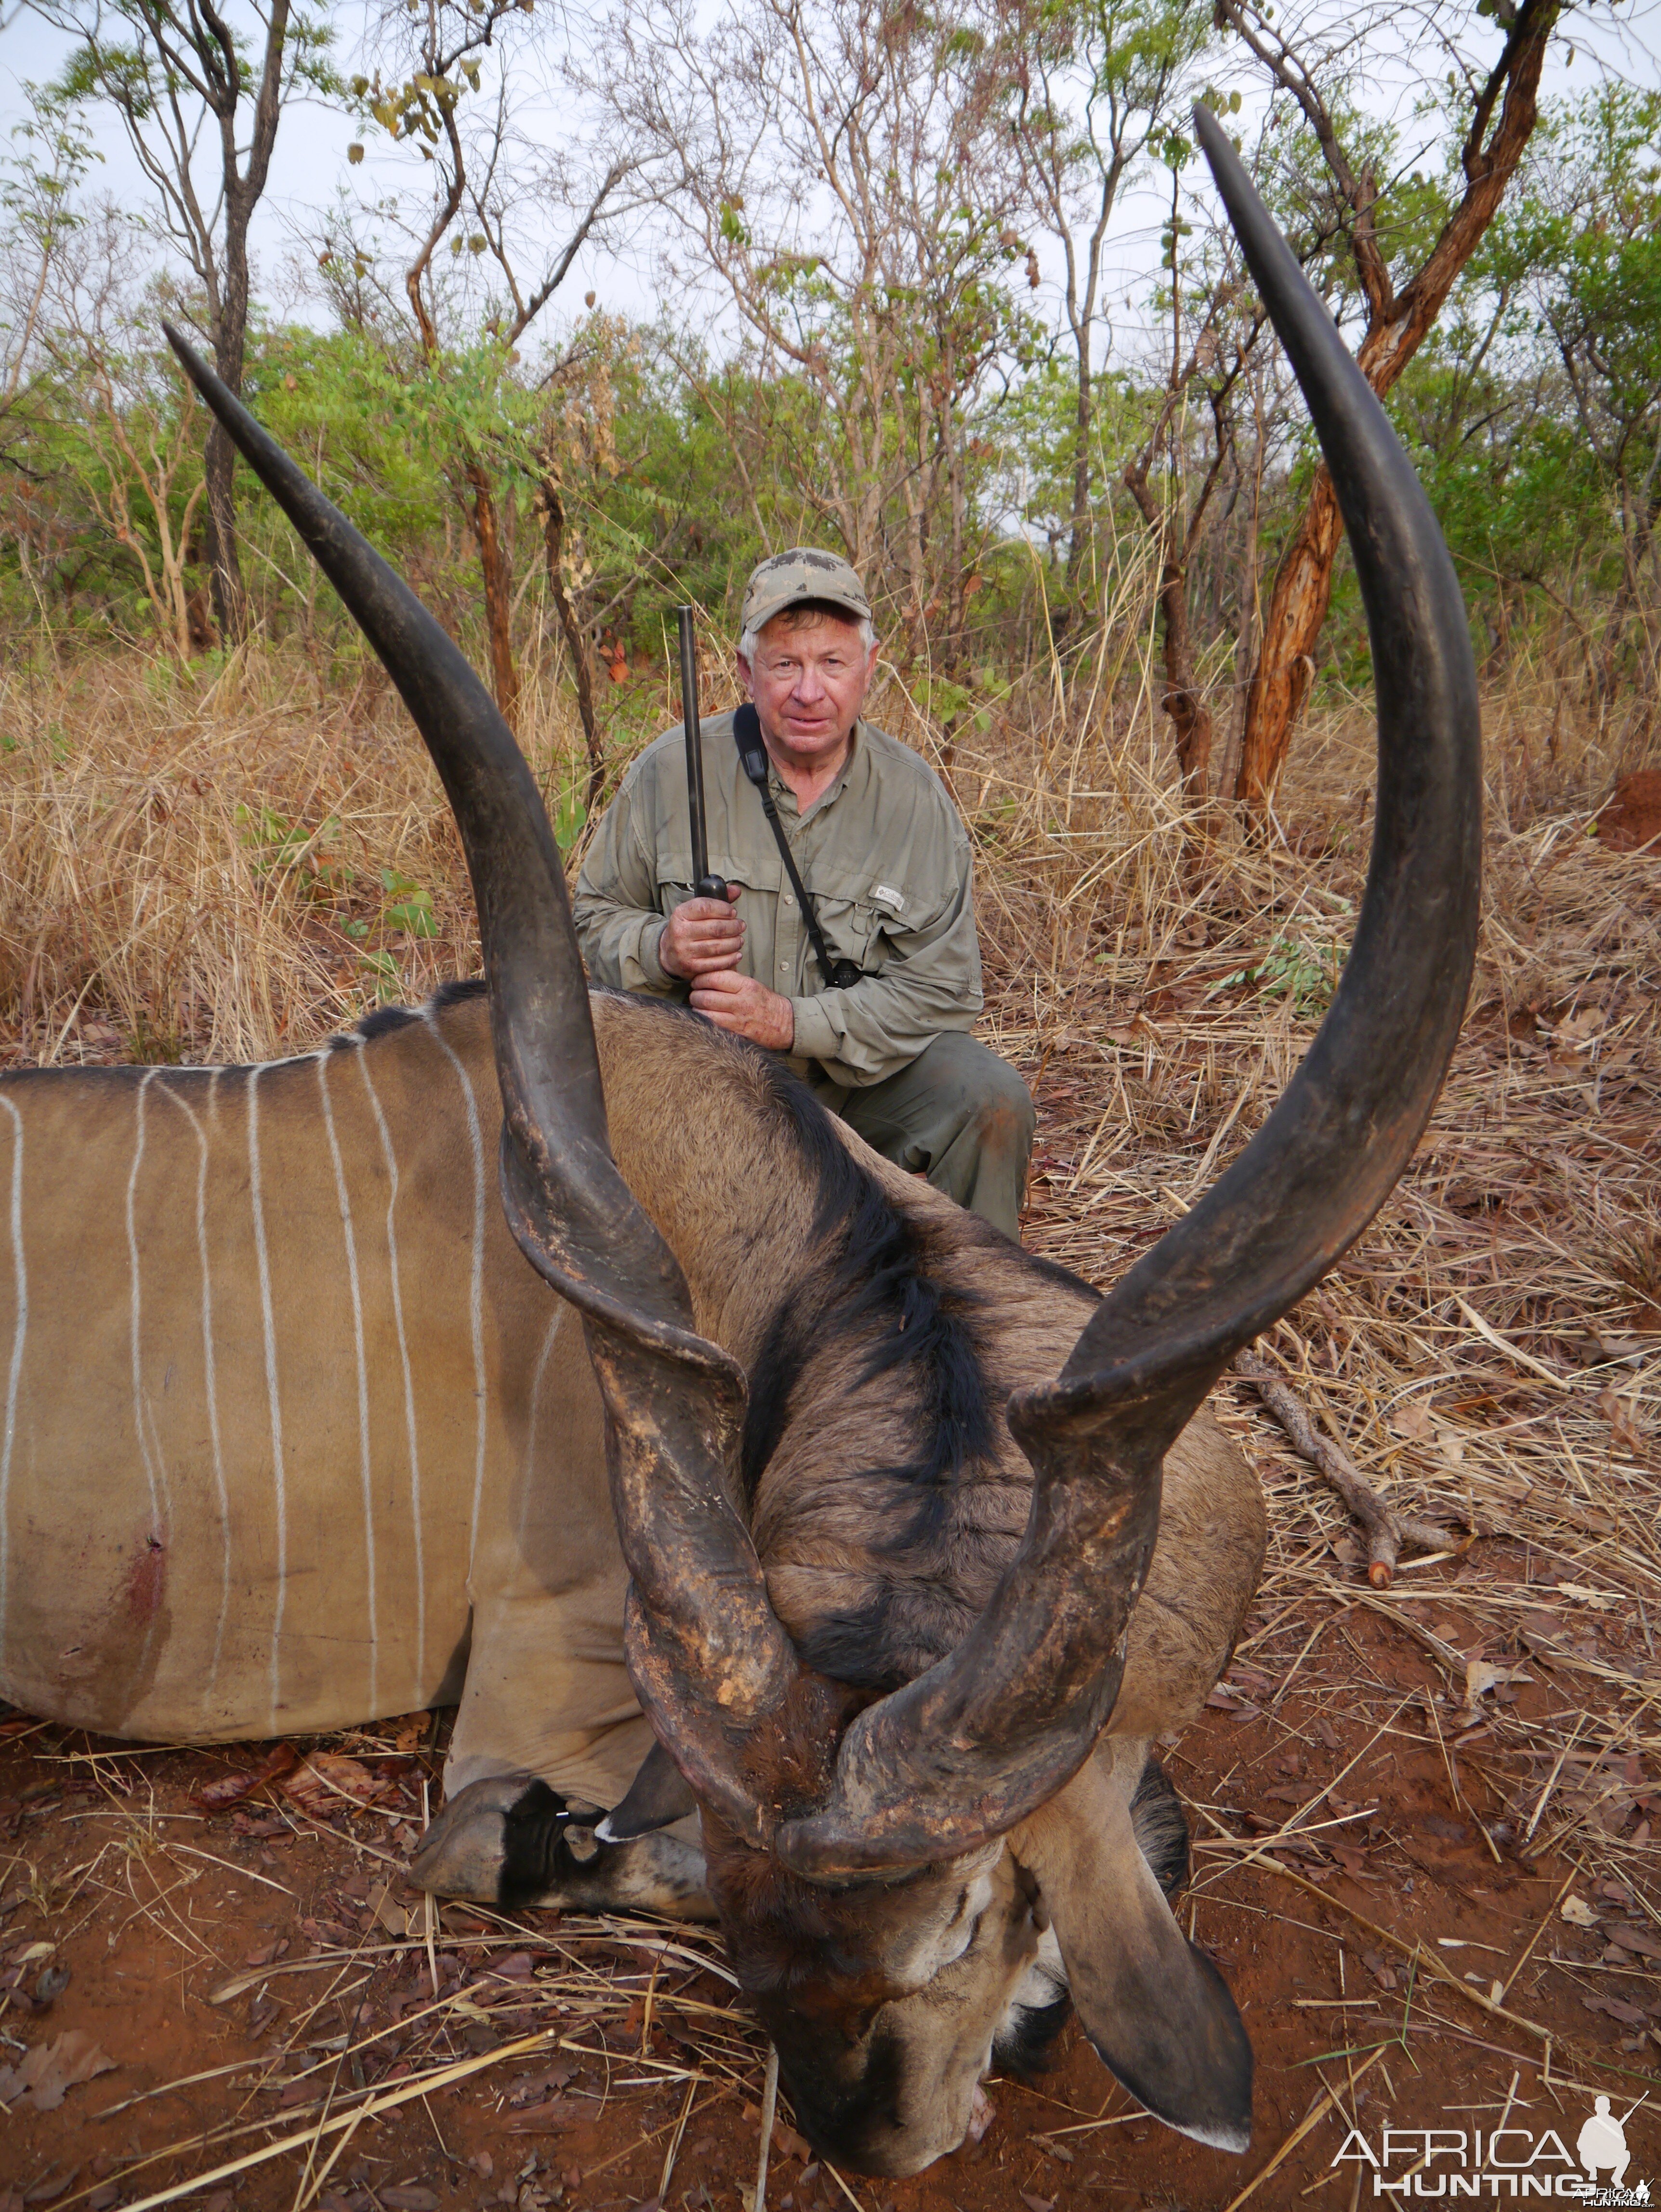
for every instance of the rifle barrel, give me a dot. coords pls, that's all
(689, 715)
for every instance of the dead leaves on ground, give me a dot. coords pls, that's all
(38, 2081)
(232, 1789)
(397, 1919)
(316, 1783)
(787, 2143)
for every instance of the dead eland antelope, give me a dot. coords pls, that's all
(292, 1438)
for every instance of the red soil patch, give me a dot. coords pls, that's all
(1631, 817)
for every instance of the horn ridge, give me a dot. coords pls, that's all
(995, 1728)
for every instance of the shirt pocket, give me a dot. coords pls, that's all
(853, 931)
(672, 870)
(672, 873)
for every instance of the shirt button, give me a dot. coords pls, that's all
(784, 967)
(789, 901)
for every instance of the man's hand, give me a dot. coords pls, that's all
(700, 936)
(748, 1008)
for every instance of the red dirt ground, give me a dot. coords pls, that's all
(180, 1903)
(1631, 818)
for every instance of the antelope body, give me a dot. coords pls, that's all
(295, 1439)
(291, 1437)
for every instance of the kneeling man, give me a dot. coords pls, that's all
(884, 859)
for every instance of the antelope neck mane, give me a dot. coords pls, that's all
(882, 1329)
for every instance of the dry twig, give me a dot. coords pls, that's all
(1386, 1530)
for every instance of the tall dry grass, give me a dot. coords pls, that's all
(192, 863)
(226, 862)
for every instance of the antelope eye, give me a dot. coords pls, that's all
(960, 1938)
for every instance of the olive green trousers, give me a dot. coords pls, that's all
(957, 1114)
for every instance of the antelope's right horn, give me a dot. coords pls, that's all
(995, 1729)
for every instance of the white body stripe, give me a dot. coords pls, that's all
(150, 1443)
(268, 1322)
(209, 1375)
(19, 1332)
(477, 1296)
(409, 1386)
(343, 1198)
(133, 1303)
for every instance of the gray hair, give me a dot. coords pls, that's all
(868, 631)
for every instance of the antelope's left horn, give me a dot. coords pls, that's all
(708, 1653)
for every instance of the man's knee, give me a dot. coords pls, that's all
(1008, 1102)
(988, 1094)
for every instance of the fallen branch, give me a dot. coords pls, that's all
(1386, 1530)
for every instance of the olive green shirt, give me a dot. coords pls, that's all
(883, 854)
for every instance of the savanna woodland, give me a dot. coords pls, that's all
(577, 312)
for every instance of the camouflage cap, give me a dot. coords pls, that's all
(784, 580)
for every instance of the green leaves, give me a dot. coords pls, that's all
(384, 969)
(1171, 237)
(408, 907)
(947, 703)
(276, 842)
(1304, 967)
(569, 810)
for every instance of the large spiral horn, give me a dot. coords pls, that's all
(707, 1651)
(999, 1726)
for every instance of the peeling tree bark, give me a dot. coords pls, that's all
(1396, 324)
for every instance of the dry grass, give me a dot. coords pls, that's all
(514, 2007)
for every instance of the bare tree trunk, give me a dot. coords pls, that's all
(167, 60)
(957, 523)
(1397, 325)
(553, 538)
(496, 566)
(1177, 535)
(219, 534)
(1190, 717)
(242, 189)
(230, 602)
(1297, 608)
(1084, 417)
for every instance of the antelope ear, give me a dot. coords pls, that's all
(656, 1798)
(1157, 2010)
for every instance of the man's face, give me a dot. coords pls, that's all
(809, 680)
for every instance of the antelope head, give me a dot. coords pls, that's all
(884, 1868)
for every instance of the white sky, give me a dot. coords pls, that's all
(310, 162)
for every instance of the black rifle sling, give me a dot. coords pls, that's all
(752, 755)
